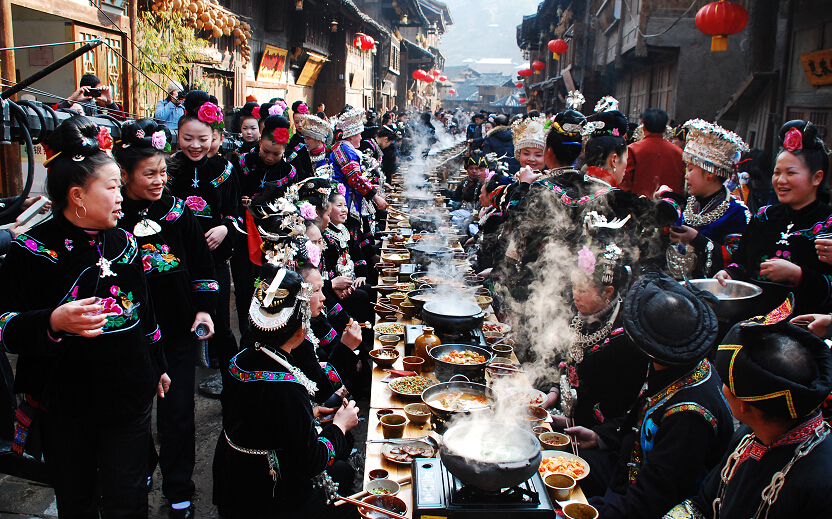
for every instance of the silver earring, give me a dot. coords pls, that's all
(608, 300)
(78, 215)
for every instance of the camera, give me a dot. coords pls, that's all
(94, 92)
(181, 95)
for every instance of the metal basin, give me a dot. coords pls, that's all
(442, 415)
(463, 444)
(737, 299)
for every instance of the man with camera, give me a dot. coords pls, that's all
(170, 109)
(91, 96)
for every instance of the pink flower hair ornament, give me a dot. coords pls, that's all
(303, 109)
(314, 253)
(586, 261)
(211, 114)
(159, 141)
(793, 141)
(342, 189)
(307, 210)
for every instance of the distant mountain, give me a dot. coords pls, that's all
(484, 29)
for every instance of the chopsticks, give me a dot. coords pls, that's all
(570, 422)
(356, 502)
(403, 481)
(388, 307)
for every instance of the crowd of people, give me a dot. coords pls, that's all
(106, 302)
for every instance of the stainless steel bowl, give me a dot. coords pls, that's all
(737, 300)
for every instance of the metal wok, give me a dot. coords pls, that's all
(465, 445)
(452, 317)
(456, 386)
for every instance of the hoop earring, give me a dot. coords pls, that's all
(79, 216)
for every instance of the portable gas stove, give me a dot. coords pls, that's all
(438, 494)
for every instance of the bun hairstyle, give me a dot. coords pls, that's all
(809, 147)
(193, 102)
(76, 158)
(246, 112)
(141, 139)
(264, 111)
(292, 284)
(271, 129)
(564, 138)
(607, 137)
(386, 132)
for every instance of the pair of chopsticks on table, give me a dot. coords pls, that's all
(402, 482)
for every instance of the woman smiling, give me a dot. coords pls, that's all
(777, 250)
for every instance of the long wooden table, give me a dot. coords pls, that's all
(382, 398)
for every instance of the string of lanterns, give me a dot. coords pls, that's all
(208, 15)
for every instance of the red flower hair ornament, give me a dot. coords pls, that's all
(211, 114)
(280, 135)
(793, 141)
(255, 112)
(105, 140)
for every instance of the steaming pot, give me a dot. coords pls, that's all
(452, 317)
(426, 254)
(462, 443)
(441, 415)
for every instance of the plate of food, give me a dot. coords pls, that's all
(523, 396)
(558, 462)
(405, 453)
(410, 386)
(492, 326)
(389, 329)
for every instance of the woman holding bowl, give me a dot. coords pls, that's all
(778, 250)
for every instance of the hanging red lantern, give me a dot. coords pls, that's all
(443, 78)
(367, 42)
(522, 99)
(519, 84)
(429, 79)
(558, 47)
(435, 72)
(720, 20)
(419, 74)
(451, 91)
(356, 42)
(538, 66)
(525, 72)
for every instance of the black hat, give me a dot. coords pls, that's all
(669, 322)
(280, 305)
(775, 366)
(281, 228)
(470, 160)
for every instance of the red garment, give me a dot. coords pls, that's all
(653, 161)
(603, 174)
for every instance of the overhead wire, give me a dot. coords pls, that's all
(638, 28)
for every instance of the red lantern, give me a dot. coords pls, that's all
(558, 47)
(525, 72)
(720, 20)
(429, 79)
(419, 74)
(443, 78)
(367, 42)
(519, 84)
(435, 72)
(538, 66)
(522, 99)
(451, 91)
(356, 42)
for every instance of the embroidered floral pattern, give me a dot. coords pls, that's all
(330, 449)
(332, 375)
(329, 337)
(694, 408)
(198, 205)
(68, 244)
(158, 258)
(121, 307)
(37, 248)
(254, 376)
(569, 201)
(154, 336)
(335, 310)
(175, 211)
(222, 178)
(205, 285)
